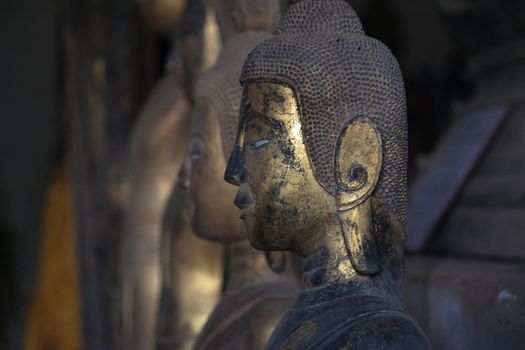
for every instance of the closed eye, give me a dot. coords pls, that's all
(257, 144)
(261, 143)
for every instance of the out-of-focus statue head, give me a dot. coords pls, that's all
(163, 15)
(215, 118)
(323, 135)
(259, 287)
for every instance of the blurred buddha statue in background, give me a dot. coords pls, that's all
(321, 165)
(158, 146)
(258, 288)
(192, 276)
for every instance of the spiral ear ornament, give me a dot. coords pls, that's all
(356, 225)
(358, 161)
(357, 176)
(357, 166)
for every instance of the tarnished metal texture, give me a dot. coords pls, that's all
(320, 161)
(307, 55)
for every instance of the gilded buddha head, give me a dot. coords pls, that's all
(322, 138)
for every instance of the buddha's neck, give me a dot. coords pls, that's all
(328, 274)
(330, 263)
(247, 267)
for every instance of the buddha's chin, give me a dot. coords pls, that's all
(249, 223)
(256, 243)
(252, 232)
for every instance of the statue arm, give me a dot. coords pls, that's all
(157, 148)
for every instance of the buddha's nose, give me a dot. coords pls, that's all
(235, 172)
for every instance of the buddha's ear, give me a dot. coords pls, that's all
(357, 166)
(358, 158)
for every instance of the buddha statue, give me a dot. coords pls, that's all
(321, 164)
(157, 149)
(258, 288)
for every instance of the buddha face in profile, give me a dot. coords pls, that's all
(214, 217)
(282, 204)
(280, 201)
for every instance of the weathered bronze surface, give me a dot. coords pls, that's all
(320, 161)
(258, 288)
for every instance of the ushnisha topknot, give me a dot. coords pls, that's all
(338, 73)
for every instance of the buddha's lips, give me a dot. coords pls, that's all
(245, 212)
(244, 203)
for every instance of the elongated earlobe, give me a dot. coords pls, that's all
(356, 225)
(357, 169)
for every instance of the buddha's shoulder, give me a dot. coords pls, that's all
(370, 331)
(391, 331)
